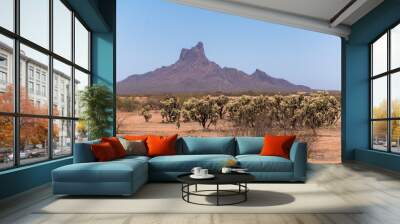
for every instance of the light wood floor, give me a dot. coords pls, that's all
(377, 188)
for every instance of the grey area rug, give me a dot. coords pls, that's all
(166, 198)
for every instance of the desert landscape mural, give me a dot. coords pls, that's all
(197, 97)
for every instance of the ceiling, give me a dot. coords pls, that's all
(326, 16)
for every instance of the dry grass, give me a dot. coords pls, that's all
(325, 148)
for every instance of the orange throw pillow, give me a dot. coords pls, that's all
(116, 145)
(277, 145)
(161, 145)
(103, 152)
(135, 137)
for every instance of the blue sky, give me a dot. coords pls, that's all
(151, 33)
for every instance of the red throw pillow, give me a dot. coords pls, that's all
(161, 145)
(277, 145)
(103, 152)
(116, 145)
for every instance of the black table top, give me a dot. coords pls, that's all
(220, 178)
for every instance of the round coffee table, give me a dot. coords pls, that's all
(238, 179)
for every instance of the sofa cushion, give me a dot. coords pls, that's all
(83, 152)
(116, 145)
(161, 145)
(257, 163)
(277, 145)
(135, 137)
(112, 171)
(134, 147)
(206, 145)
(103, 152)
(185, 163)
(249, 145)
(133, 158)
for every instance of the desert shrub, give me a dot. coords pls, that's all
(127, 104)
(243, 111)
(145, 112)
(256, 115)
(187, 107)
(204, 110)
(221, 102)
(153, 102)
(320, 110)
(170, 109)
(288, 109)
(121, 119)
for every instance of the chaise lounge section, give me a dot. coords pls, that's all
(125, 176)
(88, 177)
(271, 168)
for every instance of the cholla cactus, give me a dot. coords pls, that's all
(170, 109)
(320, 110)
(145, 112)
(257, 114)
(287, 113)
(205, 111)
(221, 102)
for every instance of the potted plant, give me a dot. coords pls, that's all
(96, 102)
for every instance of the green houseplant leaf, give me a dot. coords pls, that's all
(97, 103)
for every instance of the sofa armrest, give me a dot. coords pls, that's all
(298, 155)
(83, 152)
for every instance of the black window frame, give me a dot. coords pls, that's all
(16, 114)
(388, 74)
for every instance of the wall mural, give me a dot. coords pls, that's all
(194, 95)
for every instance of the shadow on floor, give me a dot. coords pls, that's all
(256, 198)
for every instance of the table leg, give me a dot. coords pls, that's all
(217, 194)
(195, 188)
(188, 190)
(182, 189)
(245, 193)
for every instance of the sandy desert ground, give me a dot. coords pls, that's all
(325, 148)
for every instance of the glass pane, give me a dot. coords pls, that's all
(81, 131)
(7, 14)
(62, 29)
(6, 74)
(379, 135)
(81, 45)
(62, 89)
(33, 139)
(62, 138)
(35, 21)
(81, 81)
(379, 97)
(395, 138)
(6, 142)
(34, 97)
(395, 47)
(395, 94)
(379, 55)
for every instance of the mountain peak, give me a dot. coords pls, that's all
(260, 74)
(194, 73)
(200, 46)
(193, 54)
(259, 71)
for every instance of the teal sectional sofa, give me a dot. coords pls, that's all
(125, 176)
